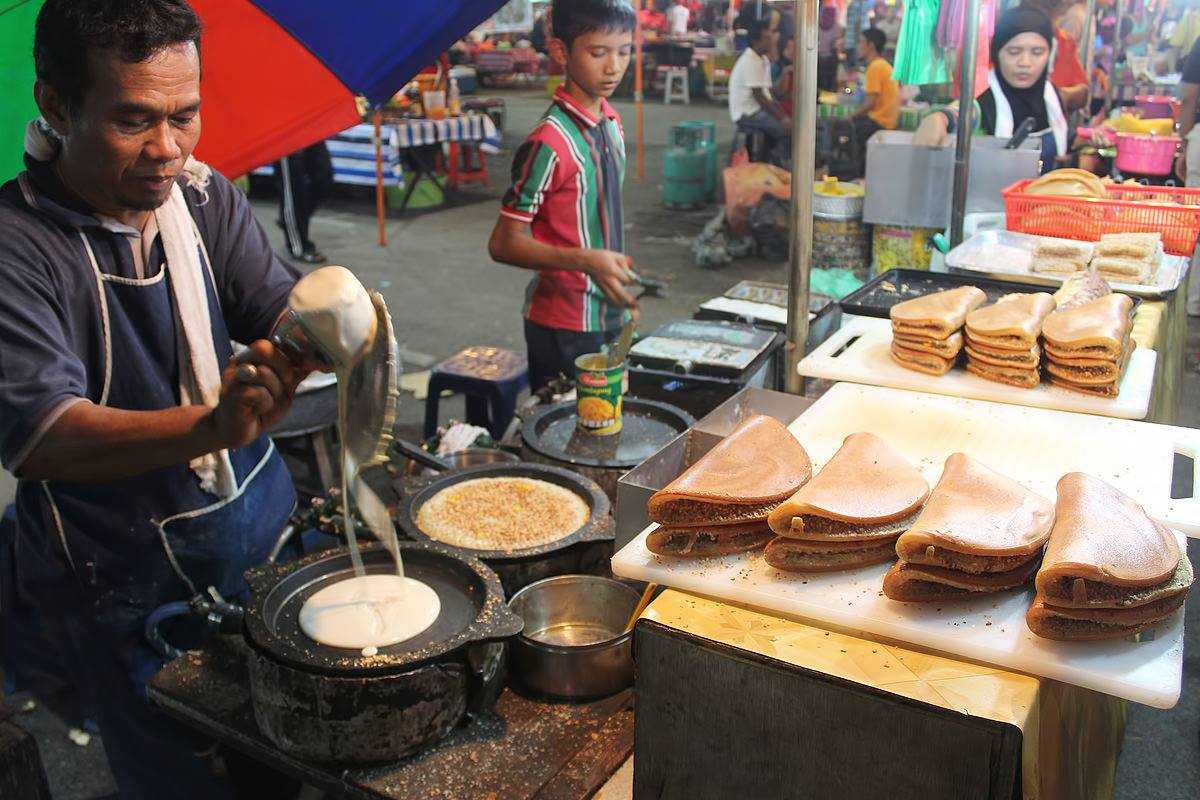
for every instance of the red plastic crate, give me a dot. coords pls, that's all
(1127, 209)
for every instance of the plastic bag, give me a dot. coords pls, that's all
(745, 185)
(769, 225)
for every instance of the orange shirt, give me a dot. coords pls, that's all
(880, 82)
(1068, 69)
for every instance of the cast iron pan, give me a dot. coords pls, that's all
(648, 426)
(473, 608)
(597, 528)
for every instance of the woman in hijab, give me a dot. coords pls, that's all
(829, 45)
(1018, 89)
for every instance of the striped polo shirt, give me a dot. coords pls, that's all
(566, 183)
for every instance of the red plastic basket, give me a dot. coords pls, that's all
(1171, 211)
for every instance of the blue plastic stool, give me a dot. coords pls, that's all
(491, 379)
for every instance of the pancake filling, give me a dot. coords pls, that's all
(812, 526)
(685, 512)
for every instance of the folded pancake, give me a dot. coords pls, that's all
(919, 361)
(1085, 371)
(1021, 359)
(937, 315)
(1124, 270)
(1105, 390)
(704, 541)
(1092, 352)
(1013, 322)
(945, 348)
(867, 491)
(1103, 537)
(918, 583)
(1021, 377)
(977, 520)
(1057, 265)
(1062, 248)
(1076, 625)
(1080, 289)
(1099, 326)
(750, 472)
(1142, 246)
(804, 555)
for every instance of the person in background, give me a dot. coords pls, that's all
(1067, 73)
(1187, 30)
(856, 19)
(1018, 88)
(784, 85)
(303, 180)
(751, 105)
(888, 20)
(677, 18)
(1188, 165)
(829, 48)
(1138, 30)
(880, 108)
(562, 217)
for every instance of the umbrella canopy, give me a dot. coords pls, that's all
(278, 74)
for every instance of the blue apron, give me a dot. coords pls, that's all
(110, 553)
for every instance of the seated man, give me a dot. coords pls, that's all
(880, 109)
(750, 103)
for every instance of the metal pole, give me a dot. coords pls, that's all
(1118, 49)
(804, 145)
(966, 122)
(1089, 37)
(380, 212)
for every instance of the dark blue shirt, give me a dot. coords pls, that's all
(51, 331)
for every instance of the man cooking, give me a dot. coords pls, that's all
(138, 441)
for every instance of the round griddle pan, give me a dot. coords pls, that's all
(597, 528)
(473, 608)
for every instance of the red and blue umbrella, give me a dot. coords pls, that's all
(278, 74)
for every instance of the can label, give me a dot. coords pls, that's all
(598, 394)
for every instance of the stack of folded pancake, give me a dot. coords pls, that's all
(926, 330)
(1002, 339)
(850, 514)
(720, 504)
(1087, 347)
(980, 532)
(1109, 570)
(1127, 257)
(1060, 257)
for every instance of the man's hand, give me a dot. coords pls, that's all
(612, 272)
(257, 388)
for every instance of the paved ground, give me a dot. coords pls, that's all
(445, 293)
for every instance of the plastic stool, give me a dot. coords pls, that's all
(676, 87)
(490, 377)
(755, 142)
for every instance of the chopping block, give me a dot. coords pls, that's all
(733, 702)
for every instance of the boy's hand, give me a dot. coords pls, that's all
(612, 272)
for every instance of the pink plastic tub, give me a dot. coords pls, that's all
(1157, 106)
(1141, 154)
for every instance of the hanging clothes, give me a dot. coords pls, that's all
(918, 58)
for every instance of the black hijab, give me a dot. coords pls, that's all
(1024, 103)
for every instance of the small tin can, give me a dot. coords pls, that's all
(598, 392)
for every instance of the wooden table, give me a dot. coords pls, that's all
(524, 749)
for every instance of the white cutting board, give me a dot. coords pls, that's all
(868, 360)
(1035, 446)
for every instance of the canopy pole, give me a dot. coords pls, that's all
(1088, 35)
(638, 95)
(966, 122)
(379, 204)
(804, 146)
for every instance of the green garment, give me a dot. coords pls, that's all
(16, 82)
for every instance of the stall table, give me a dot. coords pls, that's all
(522, 749)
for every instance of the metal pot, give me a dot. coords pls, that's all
(470, 457)
(574, 646)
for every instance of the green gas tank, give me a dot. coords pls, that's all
(707, 133)
(685, 168)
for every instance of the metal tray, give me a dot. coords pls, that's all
(1005, 255)
(876, 298)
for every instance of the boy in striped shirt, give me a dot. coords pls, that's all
(562, 215)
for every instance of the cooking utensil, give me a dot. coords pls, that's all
(463, 459)
(1020, 134)
(421, 456)
(647, 596)
(574, 645)
(620, 350)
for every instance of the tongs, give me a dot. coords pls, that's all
(1020, 134)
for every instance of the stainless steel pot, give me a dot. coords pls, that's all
(573, 646)
(470, 457)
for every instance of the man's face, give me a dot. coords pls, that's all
(597, 61)
(866, 51)
(134, 128)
